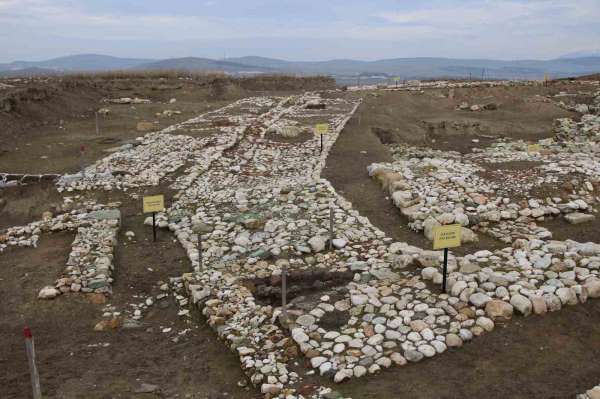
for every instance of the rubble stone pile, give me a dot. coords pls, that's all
(436, 191)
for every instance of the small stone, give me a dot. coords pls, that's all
(427, 350)
(384, 362)
(479, 299)
(339, 243)
(413, 355)
(325, 368)
(398, 359)
(567, 296)
(522, 304)
(272, 389)
(110, 324)
(306, 320)
(147, 388)
(539, 305)
(458, 287)
(485, 323)
(317, 361)
(317, 243)
(578, 218)
(299, 335)
(497, 309)
(593, 288)
(359, 371)
(553, 302)
(358, 300)
(453, 341)
(48, 293)
(341, 376)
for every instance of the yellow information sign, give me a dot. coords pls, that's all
(154, 203)
(447, 236)
(397, 79)
(546, 77)
(533, 148)
(321, 129)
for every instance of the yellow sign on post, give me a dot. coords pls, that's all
(321, 129)
(447, 236)
(154, 203)
(533, 148)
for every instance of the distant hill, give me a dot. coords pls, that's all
(409, 68)
(195, 63)
(344, 70)
(25, 72)
(78, 63)
(583, 54)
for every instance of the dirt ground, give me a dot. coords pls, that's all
(431, 118)
(197, 366)
(50, 121)
(407, 117)
(517, 361)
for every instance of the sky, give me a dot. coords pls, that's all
(298, 30)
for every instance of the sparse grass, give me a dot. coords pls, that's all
(269, 82)
(284, 82)
(83, 78)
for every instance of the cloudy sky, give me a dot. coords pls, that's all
(299, 29)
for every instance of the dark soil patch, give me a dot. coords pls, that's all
(109, 140)
(72, 358)
(334, 320)
(355, 149)
(432, 119)
(21, 205)
(301, 138)
(302, 287)
(385, 136)
(514, 361)
(563, 230)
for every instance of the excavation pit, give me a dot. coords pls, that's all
(304, 288)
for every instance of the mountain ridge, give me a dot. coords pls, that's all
(342, 69)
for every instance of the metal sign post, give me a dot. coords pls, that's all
(82, 159)
(321, 129)
(154, 226)
(331, 226)
(198, 230)
(200, 249)
(284, 292)
(445, 271)
(444, 237)
(30, 348)
(154, 203)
